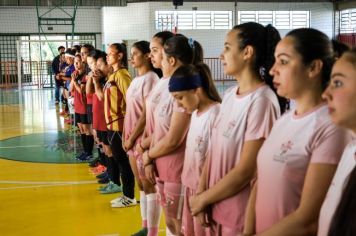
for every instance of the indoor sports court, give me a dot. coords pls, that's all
(44, 188)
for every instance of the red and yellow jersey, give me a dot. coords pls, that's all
(115, 99)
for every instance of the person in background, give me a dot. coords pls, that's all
(56, 70)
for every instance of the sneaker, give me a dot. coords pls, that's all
(95, 162)
(85, 157)
(124, 201)
(98, 170)
(111, 188)
(68, 121)
(102, 187)
(104, 180)
(142, 232)
(80, 156)
(63, 113)
(102, 175)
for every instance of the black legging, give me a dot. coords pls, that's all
(122, 162)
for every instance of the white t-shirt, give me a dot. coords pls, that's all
(170, 166)
(136, 95)
(197, 144)
(242, 118)
(331, 202)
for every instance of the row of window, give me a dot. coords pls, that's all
(348, 21)
(190, 20)
(286, 20)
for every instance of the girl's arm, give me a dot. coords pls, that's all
(250, 215)
(232, 183)
(89, 87)
(137, 131)
(98, 89)
(172, 140)
(304, 220)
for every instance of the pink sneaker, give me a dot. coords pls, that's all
(98, 170)
(68, 121)
(63, 113)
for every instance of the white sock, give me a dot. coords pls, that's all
(153, 210)
(143, 208)
(168, 232)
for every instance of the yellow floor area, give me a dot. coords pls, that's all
(52, 199)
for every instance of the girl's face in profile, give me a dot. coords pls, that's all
(341, 93)
(290, 75)
(156, 52)
(187, 99)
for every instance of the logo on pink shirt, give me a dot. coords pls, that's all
(230, 128)
(199, 142)
(156, 99)
(163, 110)
(281, 157)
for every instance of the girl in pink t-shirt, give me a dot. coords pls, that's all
(153, 207)
(194, 90)
(171, 125)
(338, 213)
(246, 116)
(296, 163)
(135, 119)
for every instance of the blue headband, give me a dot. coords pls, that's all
(177, 84)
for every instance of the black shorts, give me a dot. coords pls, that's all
(81, 118)
(90, 113)
(102, 136)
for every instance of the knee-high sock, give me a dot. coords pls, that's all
(84, 142)
(143, 208)
(90, 144)
(153, 213)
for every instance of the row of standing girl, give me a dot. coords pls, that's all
(203, 156)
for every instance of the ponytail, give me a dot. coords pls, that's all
(187, 51)
(208, 83)
(264, 40)
(121, 48)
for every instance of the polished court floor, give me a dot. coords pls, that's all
(43, 190)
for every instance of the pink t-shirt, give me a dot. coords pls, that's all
(152, 101)
(170, 166)
(331, 202)
(197, 144)
(242, 118)
(136, 95)
(283, 160)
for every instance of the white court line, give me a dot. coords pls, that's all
(49, 185)
(47, 182)
(23, 146)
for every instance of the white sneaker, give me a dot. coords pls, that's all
(115, 200)
(124, 202)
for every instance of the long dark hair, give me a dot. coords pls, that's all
(264, 40)
(312, 44)
(185, 72)
(144, 47)
(343, 222)
(163, 36)
(121, 48)
(187, 51)
(96, 54)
